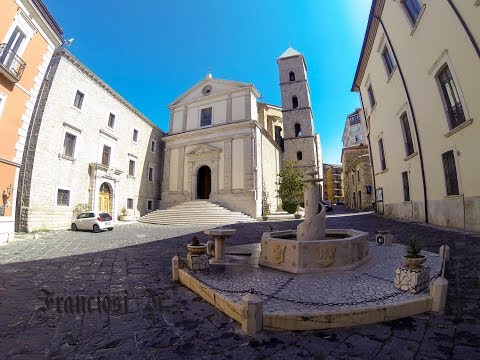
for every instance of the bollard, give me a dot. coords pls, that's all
(252, 314)
(439, 293)
(175, 262)
(445, 252)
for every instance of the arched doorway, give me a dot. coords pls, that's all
(105, 198)
(204, 182)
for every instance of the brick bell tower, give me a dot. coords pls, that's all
(300, 141)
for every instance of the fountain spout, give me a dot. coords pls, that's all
(313, 228)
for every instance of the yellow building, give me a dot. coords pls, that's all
(418, 77)
(332, 182)
(28, 35)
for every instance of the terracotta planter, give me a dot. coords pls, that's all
(197, 249)
(297, 216)
(414, 263)
(126, 218)
(265, 217)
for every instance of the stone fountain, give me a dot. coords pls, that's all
(313, 248)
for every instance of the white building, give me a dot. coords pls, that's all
(86, 145)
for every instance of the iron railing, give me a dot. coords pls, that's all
(456, 115)
(11, 62)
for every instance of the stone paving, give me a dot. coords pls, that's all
(370, 284)
(163, 320)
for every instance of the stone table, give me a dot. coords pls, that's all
(219, 235)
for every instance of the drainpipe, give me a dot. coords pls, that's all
(465, 27)
(420, 154)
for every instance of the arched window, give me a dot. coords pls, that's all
(298, 130)
(294, 102)
(291, 75)
(299, 155)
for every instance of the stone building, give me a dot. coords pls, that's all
(418, 77)
(301, 142)
(332, 182)
(354, 133)
(28, 37)
(357, 178)
(86, 145)
(226, 146)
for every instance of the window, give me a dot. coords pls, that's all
(129, 203)
(359, 199)
(356, 138)
(383, 164)
(358, 175)
(298, 130)
(8, 57)
(299, 155)
(291, 76)
(451, 98)
(135, 135)
(111, 121)
(150, 205)
(153, 146)
(353, 179)
(206, 117)
(69, 145)
(106, 155)
(387, 58)
(406, 186)
(150, 174)
(2, 103)
(63, 197)
(78, 102)
(371, 97)
(450, 171)
(413, 9)
(294, 102)
(131, 168)
(407, 135)
(206, 90)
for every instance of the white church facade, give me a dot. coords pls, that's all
(225, 146)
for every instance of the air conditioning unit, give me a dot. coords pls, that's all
(384, 238)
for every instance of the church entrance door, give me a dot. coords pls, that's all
(204, 182)
(105, 198)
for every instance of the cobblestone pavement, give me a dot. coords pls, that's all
(166, 321)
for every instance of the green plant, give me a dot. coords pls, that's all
(265, 204)
(413, 250)
(291, 186)
(80, 208)
(195, 241)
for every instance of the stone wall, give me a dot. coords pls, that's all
(357, 176)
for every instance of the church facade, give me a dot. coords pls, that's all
(227, 147)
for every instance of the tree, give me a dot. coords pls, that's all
(290, 186)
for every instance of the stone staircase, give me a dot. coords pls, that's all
(198, 212)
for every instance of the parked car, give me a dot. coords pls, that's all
(340, 202)
(93, 220)
(328, 205)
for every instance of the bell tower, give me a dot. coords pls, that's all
(301, 142)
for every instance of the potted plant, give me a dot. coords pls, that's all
(265, 205)
(412, 258)
(195, 247)
(297, 215)
(124, 215)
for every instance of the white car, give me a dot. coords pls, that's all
(93, 220)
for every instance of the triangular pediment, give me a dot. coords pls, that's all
(216, 86)
(204, 150)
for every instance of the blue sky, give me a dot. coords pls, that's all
(151, 51)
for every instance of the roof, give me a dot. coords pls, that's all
(48, 17)
(206, 81)
(372, 27)
(289, 53)
(74, 61)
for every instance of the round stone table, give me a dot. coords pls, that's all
(219, 235)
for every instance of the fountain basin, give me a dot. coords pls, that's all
(342, 249)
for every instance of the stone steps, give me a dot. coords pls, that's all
(197, 212)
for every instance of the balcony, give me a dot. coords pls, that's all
(11, 65)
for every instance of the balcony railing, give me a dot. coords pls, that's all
(456, 115)
(11, 65)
